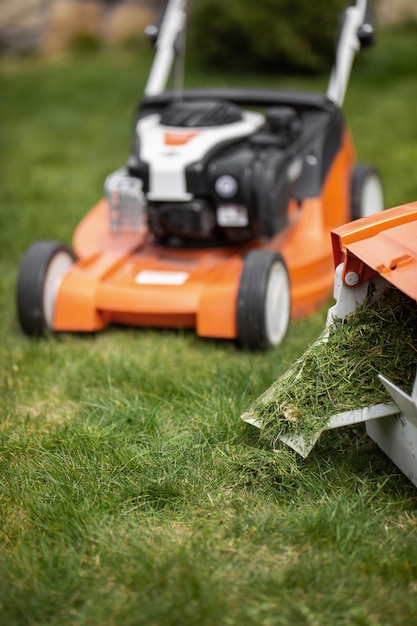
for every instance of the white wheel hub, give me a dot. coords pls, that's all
(57, 268)
(372, 199)
(277, 304)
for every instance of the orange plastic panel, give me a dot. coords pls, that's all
(218, 303)
(75, 308)
(93, 234)
(384, 243)
(367, 227)
(335, 195)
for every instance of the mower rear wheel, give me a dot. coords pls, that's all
(40, 275)
(367, 196)
(264, 300)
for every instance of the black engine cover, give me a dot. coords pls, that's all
(241, 188)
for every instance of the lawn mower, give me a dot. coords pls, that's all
(375, 258)
(220, 219)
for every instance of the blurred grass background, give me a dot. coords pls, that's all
(130, 492)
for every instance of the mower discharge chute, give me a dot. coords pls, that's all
(220, 218)
(376, 270)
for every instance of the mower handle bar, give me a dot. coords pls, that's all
(357, 26)
(356, 29)
(166, 36)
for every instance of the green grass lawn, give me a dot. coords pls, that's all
(130, 491)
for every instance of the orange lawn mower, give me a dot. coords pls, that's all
(220, 219)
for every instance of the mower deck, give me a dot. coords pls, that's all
(124, 278)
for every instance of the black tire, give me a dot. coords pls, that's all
(264, 300)
(41, 269)
(367, 196)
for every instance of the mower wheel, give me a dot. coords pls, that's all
(367, 196)
(40, 274)
(264, 300)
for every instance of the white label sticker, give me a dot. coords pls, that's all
(155, 277)
(232, 215)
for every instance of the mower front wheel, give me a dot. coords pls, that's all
(264, 300)
(366, 193)
(40, 274)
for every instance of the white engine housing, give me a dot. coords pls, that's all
(169, 150)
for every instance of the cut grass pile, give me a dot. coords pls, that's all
(340, 373)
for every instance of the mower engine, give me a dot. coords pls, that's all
(206, 172)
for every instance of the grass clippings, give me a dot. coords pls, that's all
(341, 373)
